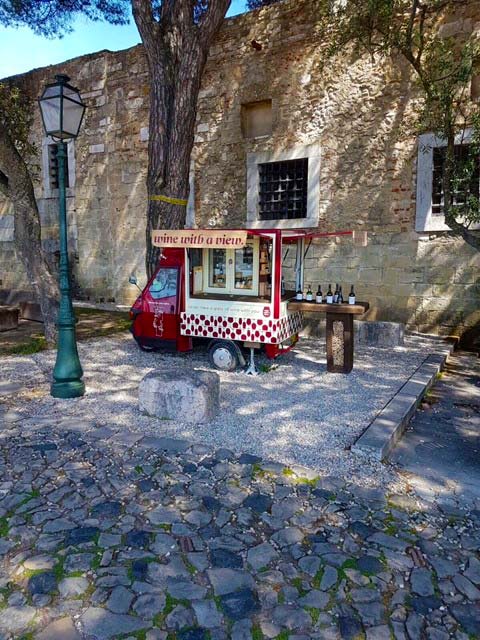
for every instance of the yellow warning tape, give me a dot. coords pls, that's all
(178, 201)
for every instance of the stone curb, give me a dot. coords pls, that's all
(383, 433)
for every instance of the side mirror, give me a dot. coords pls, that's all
(133, 279)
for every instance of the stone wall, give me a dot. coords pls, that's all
(360, 113)
(106, 206)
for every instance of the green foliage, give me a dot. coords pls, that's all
(53, 18)
(96, 560)
(257, 4)
(314, 614)
(16, 117)
(3, 527)
(257, 633)
(139, 635)
(443, 67)
(298, 584)
(58, 569)
(317, 579)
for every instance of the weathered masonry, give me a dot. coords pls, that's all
(344, 134)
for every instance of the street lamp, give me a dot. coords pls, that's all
(62, 112)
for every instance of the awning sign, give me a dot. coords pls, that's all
(199, 239)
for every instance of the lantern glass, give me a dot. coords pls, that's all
(62, 109)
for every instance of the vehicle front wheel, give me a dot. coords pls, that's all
(223, 355)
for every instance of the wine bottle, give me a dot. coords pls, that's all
(319, 296)
(283, 287)
(351, 297)
(329, 294)
(335, 295)
(340, 295)
(299, 295)
(309, 294)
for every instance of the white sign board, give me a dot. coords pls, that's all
(199, 239)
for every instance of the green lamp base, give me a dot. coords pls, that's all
(70, 389)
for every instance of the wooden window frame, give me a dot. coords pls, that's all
(230, 288)
(288, 168)
(425, 220)
(312, 153)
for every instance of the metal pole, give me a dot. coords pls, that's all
(68, 371)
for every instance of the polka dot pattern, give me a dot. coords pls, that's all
(264, 330)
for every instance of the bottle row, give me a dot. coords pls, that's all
(329, 298)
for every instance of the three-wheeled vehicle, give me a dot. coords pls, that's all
(224, 288)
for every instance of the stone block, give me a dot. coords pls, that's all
(31, 311)
(8, 318)
(97, 148)
(187, 396)
(379, 334)
(7, 234)
(372, 333)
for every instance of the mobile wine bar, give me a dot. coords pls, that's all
(226, 288)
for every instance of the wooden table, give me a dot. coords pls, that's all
(339, 330)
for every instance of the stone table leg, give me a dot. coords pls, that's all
(339, 342)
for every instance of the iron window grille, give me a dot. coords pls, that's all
(283, 189)
(53, 167)
(466, 187)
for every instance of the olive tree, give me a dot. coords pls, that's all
(17, 188)
(443, 66)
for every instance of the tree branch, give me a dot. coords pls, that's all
(471, 237)
(211, 20)
(421, 35)
(411, 22)
(144, 19)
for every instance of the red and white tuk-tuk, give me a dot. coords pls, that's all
(225, 288)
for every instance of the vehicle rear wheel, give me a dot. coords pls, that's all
(223, 355)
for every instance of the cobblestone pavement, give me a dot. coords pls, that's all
(149, 537)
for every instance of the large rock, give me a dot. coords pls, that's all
(8, 318)
(187, 396)
(31, 311)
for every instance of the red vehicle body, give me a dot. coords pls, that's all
(238, 299)
(156, 320)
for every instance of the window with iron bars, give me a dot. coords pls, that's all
(283, 189)
(53, 167)
(469, 186)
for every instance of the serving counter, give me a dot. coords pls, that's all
(339, 330)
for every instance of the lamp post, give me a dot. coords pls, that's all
(62, 112)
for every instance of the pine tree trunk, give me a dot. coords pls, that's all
(18, 189)
(176, 47)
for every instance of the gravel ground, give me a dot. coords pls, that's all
(296, 413)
